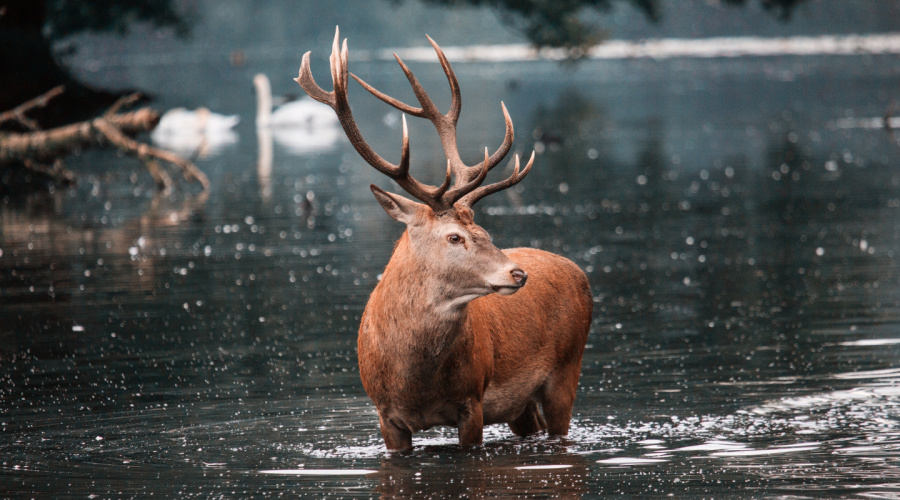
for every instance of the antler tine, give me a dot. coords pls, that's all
(446, 185)
(504, 148)
(428, 110)
(470, 199)
(456, 103)
(404, 150)
(402, 106)
(502, 151)
(334, 63)
(306, 80)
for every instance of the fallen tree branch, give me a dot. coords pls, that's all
(18, 113)
(148, 153)
(120, 103)
(47, 146)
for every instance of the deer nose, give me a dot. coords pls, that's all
(519, 276)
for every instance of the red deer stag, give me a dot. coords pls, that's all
(442, 340)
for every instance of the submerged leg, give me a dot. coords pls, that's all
(395, 438)
(471, 423)
(558, 397)
(529, 422)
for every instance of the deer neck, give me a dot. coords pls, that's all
(414, 305)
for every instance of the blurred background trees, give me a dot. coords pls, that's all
(566, 23)
(31, 63)
(32, 34)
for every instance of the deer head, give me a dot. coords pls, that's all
(442, 234)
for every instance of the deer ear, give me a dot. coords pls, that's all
(398, 207)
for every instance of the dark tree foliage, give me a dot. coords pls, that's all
(782, 8)
(560, 23)
(554, 23)
(67, 17)
(60, 18)
(29, 66)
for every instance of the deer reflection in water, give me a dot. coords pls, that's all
(482, 475)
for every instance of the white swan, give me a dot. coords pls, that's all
(300, 113)
(302, 127)
(199, 132)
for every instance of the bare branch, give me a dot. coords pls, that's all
(35, 149)
(18, 113)
(146, 152)
(120, 103)
(47, 145)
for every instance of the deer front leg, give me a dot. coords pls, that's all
(395, 438)
(471, 423)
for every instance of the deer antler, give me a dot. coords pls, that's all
(471, 198)
(465, 190)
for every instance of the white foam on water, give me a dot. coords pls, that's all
(858, 450)
(767, 451)
(319, 472)
(630, 461)
(543, 467)
(873, 342)
(714, 445)
(889, 372)
(370, 451)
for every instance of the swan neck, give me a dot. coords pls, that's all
(263, 100)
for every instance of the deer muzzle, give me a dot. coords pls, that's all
(519, 276)
(517, 280)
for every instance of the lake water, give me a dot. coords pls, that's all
(738, 221)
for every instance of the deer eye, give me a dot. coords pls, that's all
(455, 239)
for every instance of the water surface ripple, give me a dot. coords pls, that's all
(741, 248)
